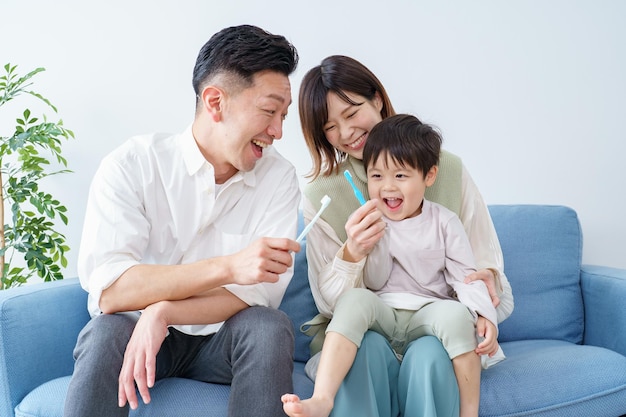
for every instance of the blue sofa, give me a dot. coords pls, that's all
(565, 342)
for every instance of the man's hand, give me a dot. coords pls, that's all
(486, 329)
(262, 261)
(364, 228)
(139, 364)
(488, 277)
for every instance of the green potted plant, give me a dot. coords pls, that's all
(29, 242)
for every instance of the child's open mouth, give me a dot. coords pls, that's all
(393, 203)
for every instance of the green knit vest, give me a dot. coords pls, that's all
(446, 190)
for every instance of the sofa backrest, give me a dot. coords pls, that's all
(298, 301)
(542, 247)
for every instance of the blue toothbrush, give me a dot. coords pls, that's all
(357, 192)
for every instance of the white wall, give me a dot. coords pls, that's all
(531, 94)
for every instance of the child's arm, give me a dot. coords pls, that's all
(378, 265)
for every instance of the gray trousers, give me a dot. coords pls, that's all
(252, 351)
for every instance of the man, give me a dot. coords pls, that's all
(195, 231)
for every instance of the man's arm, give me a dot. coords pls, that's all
(142, 285)
(139, 366)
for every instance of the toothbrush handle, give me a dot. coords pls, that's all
(308, 227)
(357, 192)
(304, 232)
(358, 195)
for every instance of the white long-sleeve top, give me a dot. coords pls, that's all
(154, 200)
(426, 258)
(330, 276)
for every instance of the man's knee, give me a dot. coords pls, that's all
(269, 328)
(105, 334)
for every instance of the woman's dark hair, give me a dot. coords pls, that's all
(339, 74)
(406, 140)
(243, 51)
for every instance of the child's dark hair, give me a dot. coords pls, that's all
(243, 51)
(406, 140)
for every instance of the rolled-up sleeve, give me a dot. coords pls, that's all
(115, 231)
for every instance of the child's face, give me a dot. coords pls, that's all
(399, 189)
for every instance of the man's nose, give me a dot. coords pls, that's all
(275, 129)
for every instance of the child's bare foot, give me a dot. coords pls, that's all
(313, 407)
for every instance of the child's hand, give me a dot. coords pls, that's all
(364, 228)
(486, 329)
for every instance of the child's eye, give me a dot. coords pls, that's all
(352, 114)
(328, 128)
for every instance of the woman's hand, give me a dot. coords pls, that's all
(489, 278)
(365, 228)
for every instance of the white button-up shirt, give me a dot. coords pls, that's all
(154, 200)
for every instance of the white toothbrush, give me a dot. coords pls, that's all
(325, 202)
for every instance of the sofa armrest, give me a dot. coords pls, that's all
(39, 324)
(604, 292)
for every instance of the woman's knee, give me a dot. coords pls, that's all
(425, 352)
(376, 357)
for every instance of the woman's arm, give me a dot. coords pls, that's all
(329, 275)
(485, 244)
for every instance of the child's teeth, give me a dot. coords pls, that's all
(259, 143)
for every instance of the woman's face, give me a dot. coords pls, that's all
(348, 125)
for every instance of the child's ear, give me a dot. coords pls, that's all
(431, 176)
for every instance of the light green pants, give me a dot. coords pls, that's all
(359, 310)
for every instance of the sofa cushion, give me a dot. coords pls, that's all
(542, 247)
(554, 378)
(169, 396)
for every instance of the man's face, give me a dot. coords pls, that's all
(252, 120)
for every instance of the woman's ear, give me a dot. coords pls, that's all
(378, 101)
(431, 175)
(212, 100)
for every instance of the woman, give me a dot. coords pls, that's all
(340, 102)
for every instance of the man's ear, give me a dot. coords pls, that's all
(212, 100)
(431, 175)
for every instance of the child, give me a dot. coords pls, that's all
(416, 271)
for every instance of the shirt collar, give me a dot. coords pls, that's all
(194, 160)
